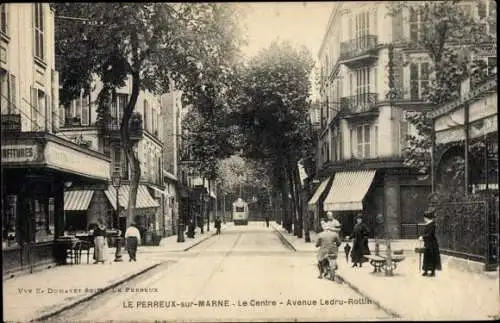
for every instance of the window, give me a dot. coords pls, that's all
(337, 144)
(360, 146)
(419, 80)
(362, 29)
(415, 30)
(117, 156)
(39, 106)
(118, 106)
(43, 222)
(3, 19)
(39, 30)
(85, 120)
(8, 93)
(406, 129)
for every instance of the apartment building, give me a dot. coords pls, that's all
(79, 121)
(37, 166)
(363, 135)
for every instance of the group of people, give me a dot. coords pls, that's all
(329, 242)
(132, 241)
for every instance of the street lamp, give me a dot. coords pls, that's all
(66, 186)
(116, 181)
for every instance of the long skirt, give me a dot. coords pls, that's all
(132, 247)
(99, 248)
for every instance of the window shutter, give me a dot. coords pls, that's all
(12, 93)
(33, 113)
(62, 115)
(414, 81)
(48, 114)
(403, 131)
(397, 26)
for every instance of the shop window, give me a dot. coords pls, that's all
(43, 221)
(9, 212)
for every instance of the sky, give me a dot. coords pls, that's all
(301, 23)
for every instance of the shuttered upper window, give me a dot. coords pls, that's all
(39, 31)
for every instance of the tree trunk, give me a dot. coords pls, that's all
(307, 220)
(292, 201)
(298, 194)
(128, 148)
(209, 208)
(286, 213)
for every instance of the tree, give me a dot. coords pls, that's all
(150, 44)
(448, 33)
(273, 113)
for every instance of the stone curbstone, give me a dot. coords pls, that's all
(76, 302)
(284, 239)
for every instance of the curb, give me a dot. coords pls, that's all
(374, 301)
(283, 239)
(351, 285)
(197, 243)
(86, 298)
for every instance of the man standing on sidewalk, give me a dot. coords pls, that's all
(133, 239)
(217, 224)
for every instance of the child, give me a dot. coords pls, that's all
(347, 250)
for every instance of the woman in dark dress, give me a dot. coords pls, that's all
(99, 235)
(432, 257)
(360, 243)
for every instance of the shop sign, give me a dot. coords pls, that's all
(76, 161)
(19, 153)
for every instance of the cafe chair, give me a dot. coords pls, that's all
(85, 247)
(73, 254)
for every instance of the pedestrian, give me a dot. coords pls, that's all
(360, 243)
(133, 239)
(432, 257)
(99, 235)
(347, 250)
(267, 220)
(217, 224)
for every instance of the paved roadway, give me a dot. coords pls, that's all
(245, 274)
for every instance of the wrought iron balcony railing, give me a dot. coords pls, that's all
(112, 128)
(358, 103)
(357, 46)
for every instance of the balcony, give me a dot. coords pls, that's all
(358, 50)
(358, 104)
(112, 129)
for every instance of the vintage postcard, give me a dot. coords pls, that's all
(249, 161)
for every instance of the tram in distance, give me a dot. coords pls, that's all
(240, 212)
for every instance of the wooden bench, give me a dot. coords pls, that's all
(378, 262)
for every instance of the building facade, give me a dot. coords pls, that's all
(37, 165)
(80, 124)
(363, 135)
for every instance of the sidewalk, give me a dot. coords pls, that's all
(33, 296)
(453, 294)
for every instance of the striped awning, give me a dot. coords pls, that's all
(348, 190)
(77, 200)
(144, 199)
(158, 190)
(315, 198)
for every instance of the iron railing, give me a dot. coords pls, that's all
(358, 46)
(462, 229)
(358, 103)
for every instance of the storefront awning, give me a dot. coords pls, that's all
(144, 199)
(77, 200)
(348, 190)
(158, 190)
(315, 198)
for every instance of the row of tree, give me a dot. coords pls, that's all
(151, 45)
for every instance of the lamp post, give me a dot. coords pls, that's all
(116, 181)
(66, 186)
(388, 259)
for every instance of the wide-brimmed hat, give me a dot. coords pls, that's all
(430, 213)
